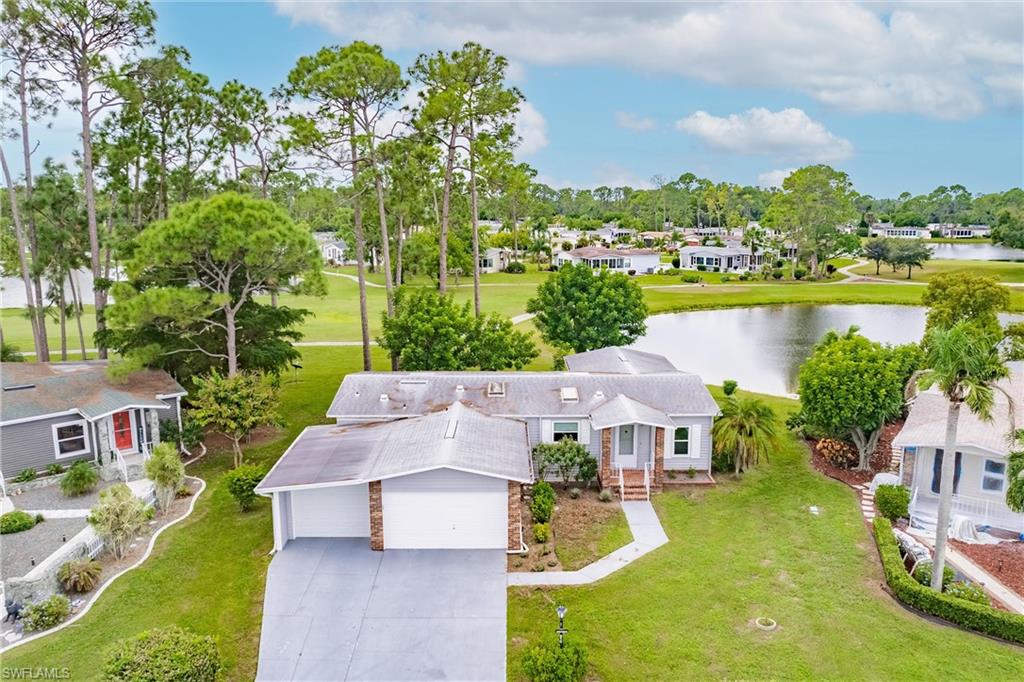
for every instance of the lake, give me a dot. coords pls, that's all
(975, 251)
(763, 347)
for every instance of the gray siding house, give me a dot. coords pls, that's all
(62, 412)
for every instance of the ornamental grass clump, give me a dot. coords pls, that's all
(80, 575)
(118, 518)
(80, 478)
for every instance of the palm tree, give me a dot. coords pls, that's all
(964, 364)
(746, 431)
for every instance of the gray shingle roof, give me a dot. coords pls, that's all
(409, 394)
(624, 410)
(926, 423)
(457, 437)
(616, 360)
(56, 387)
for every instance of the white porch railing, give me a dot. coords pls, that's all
(622, 483)
(984, 512)
(122, 466)
(647, 479)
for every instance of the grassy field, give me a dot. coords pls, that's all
(1002, 271)
(742, 550)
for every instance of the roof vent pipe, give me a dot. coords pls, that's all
(383, 397)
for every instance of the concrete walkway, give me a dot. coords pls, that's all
(648, 535)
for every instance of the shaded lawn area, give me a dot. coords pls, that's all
(207, 573)
(743, 550)
(1000, 270)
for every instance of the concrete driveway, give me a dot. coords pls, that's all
(335, 610)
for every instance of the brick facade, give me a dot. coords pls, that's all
(659, 459)
(376, 517)
(605, 471)
(515, 516)
(909, 462)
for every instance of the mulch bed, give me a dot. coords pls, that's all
(1004, 561)
(879, 460)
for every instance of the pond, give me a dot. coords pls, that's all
(763, 347)
(976, 251)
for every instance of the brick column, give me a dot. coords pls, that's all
(515, 516)
(376, 517)
(605, 474)
(659, 458)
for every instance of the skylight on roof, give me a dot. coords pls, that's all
(18, 387)
(569, 394)
(496, 389)
(451, 428)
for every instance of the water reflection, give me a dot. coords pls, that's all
(975, 251)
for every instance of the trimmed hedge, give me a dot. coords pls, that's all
(977, 617)
(164, 654)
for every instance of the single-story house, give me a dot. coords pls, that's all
(982, 448)
(953, 231)
(437, 459)
(651, 238)
(611, 233)
(495, 259)
(903, 232)
(619, 260)
(334, 251)
(61, 412)
(716, 258)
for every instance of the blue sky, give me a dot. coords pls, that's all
(901, 96)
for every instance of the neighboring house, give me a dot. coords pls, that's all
(67, 411)
(619, 260)
(952, 231)
(495, 259)
(334, 251)
(716, 258)
(611, 233)
(905, 232)
(437, 459)
(651, 238)
(982, 448)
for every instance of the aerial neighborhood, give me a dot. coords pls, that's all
(428, 341)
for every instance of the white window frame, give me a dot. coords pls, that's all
(988, 474)
(689, 443)
(555, 430)
(85, 437)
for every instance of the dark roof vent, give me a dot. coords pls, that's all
(496, 389)
(18, 387)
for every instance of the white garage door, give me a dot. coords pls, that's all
(445, 509)
(336, 512)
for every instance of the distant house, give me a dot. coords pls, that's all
(620, 260)
(494, 259)
(954, 231)
(560, 235)
(61, 412)
(653, 237)
(611, 233)
(715, 258)
(982, 448)
(903, 232)
(334, 251)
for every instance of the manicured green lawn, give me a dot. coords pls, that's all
(1002, 271)
(743, 550)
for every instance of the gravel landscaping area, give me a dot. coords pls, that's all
(18, 549)
(51, 497)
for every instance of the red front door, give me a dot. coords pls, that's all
(122, 430)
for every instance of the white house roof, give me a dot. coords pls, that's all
(373, 395)
(457, 437)
(715, 250)
(601, 252)
(616, 360)
(926, 423)
(624, 410)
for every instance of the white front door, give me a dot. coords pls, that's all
(625, 446)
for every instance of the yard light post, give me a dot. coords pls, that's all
(561, 611)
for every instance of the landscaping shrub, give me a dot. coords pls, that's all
(167, 472)
(543, 503)
(838, 453)
(830, 268)
(702, 268)
(515, 268)
(729, 386)
(631, 272)
(675, 262)
(46, 614)
(691, 473)
(586, 470)
(863, 232)
(778, 264)
(118, 518)
(671, 271)
(15, 522)
(691, 278)
(80, 575)
(605, 495)
(799, 273)
(978, 617)
(242, 482)
(893, 501)
(25, 475)
(568, 457)
(542, 532)
(553, 663)
(54, 469)
(969, 591)
(164, 654)
(80, 478)
(575, 493)
(724, 279)
(745, 276)
(189, 435)
(923, 574)
(776, 274)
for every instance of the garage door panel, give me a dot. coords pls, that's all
(445, 509)
(335, 512)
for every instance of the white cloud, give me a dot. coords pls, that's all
(773, 178)
(532, 128)
(786, 134)
(944, 60)
(516, 72)
(629, 121)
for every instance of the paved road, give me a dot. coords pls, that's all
(335, 610)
